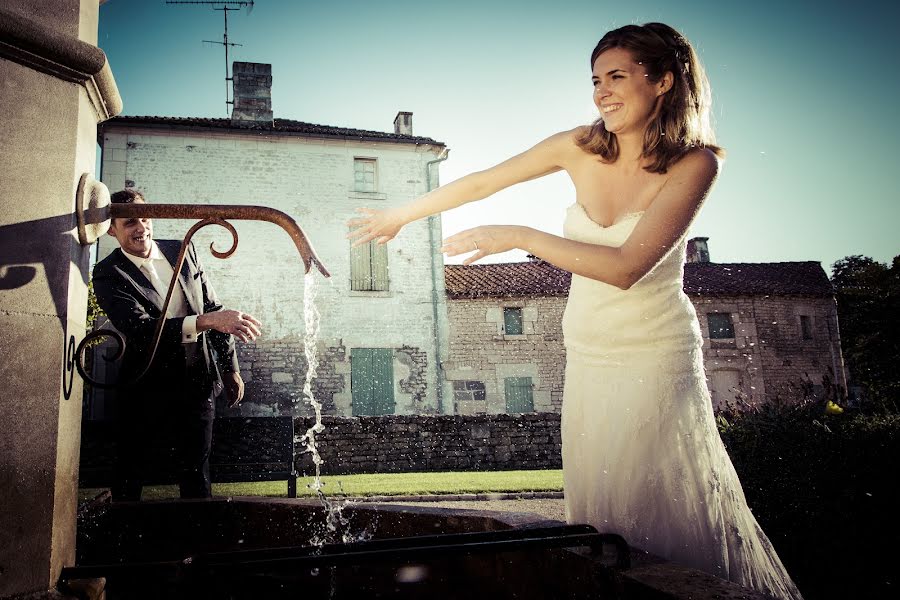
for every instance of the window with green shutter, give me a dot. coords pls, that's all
(372, 381)
(364, 175)
(720, 326)
(512, 321)
(519, 395)
(369, 268)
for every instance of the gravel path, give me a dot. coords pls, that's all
(550, 508)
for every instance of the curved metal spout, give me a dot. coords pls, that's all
(224, 212)
(209, 214)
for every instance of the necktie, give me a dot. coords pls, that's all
(176, 308)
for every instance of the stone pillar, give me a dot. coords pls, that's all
(55, 86)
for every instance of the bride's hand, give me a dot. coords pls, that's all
(379, 225)
(483, 241)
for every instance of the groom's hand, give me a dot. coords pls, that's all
(243, 326)
(234, 387)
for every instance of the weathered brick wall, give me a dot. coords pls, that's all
(480, 352)
(407, 443)
(769, 351)
(311, 180)
(767, 359)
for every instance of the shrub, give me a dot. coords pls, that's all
(823, 488)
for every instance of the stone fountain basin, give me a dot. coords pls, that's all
(162, 532)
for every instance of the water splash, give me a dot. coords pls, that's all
(310, 338)
(337, 525)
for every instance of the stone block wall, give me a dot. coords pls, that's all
(769, 357)
(480, 352)
(312, 180)
(409, 443)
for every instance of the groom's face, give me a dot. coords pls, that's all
(135, 236)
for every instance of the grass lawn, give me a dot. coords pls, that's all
(380, 484)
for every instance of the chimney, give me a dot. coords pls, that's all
(252, 85)
(403, 123)
(697, 250)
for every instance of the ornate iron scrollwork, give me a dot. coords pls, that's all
(210, 215)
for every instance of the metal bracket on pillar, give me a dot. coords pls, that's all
(91, 209)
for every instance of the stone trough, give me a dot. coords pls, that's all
(260, 548)
(250, 548)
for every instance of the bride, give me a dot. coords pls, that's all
(641, 453)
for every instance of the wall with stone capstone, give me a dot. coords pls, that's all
(311, 180)
(411, 443)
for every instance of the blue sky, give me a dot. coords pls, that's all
(804, 97)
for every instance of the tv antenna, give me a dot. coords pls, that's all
(224, 7)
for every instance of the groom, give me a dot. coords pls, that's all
(195, 358)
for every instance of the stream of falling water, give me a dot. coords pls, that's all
(335, 522)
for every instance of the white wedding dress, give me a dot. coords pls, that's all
(641, 453)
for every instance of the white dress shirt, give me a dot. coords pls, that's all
(158, 270)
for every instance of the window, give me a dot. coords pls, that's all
(720, 326)
(512, 321)
(806, 327)
(519, 395)
(369, 268)
(725, 388)
(364, 174)
(372, 381)
(467, 391)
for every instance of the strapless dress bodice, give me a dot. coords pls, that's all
(601, 319)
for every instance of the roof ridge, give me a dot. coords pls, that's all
(277, 125)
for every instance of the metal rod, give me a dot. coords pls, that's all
(229, 212)
(210, 214)
(221, 564)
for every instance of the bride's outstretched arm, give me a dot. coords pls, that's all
(544, 158)
(663, 224)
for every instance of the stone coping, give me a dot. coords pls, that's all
(452, 497)
(43, 49)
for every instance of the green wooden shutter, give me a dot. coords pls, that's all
(361, 381)
(383, 380)
(372, 381)
(360, 267)
(519, 396)
(720, 326)
(369, 268)
(379, 267)
(512, 321)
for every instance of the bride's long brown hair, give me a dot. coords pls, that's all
(682, 122)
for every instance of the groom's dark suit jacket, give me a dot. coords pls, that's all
(134, 307)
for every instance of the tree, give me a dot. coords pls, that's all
(868, 303)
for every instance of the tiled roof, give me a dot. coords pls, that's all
(286, 126)
(539, 278)
(776, 279)
(536, 278)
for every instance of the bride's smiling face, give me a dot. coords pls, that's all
(624, 95)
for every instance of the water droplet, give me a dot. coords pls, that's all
(411, 574)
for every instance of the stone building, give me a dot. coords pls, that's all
(382, 314)
(768, 330)
(506, 347)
